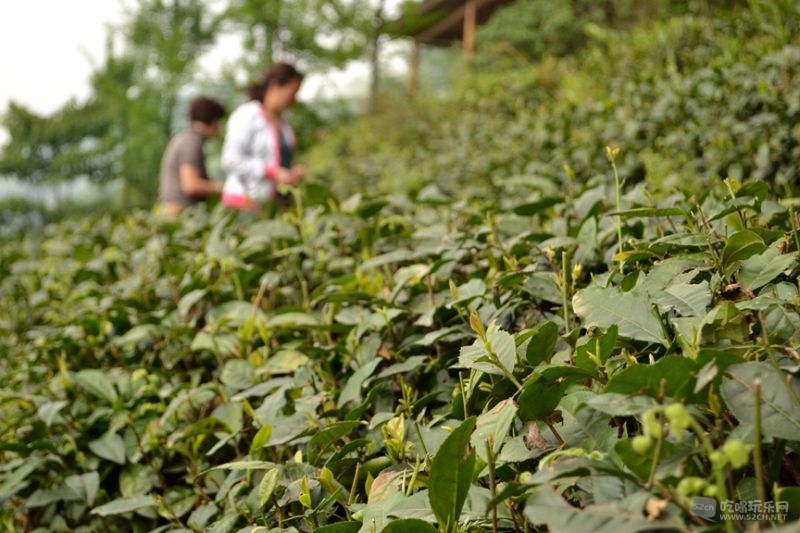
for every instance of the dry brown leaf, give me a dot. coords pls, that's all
(533, 439)
(654, 507)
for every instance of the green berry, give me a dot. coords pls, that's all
(691, 485)
(652, 427)
(737, 453)
(641, 444)
(718, 459)
(678, 416)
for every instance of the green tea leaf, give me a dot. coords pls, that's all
(110, 447)
(678, 374)
(97, 383)
(201, 516)
(493, 426)
(540, 398)
(260, 439)
(616, 404)
(234, 313)
(503, 346)
(136, 479)
(688, 299)
(632, 313)
(545, 506)
(740, 246)
(237, 375)
(791, 495)
(451, 475)
(408, 525)
(125, 505)
(327, 436)
(144, 333)
(19, 478)
(292, 320)
(352, 389)
(648, 212)
(538, 206)
(758, 270)
(189, 300)
(267, 486)
(465, 293)
(244, 465)
(86, 485)
(592, 352)
(49, 412)
(42, 497)
(177, 501)
(224, 524)
(542, 343)
(779, 394)
(411, 364)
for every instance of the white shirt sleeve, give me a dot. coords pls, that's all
(238, 155)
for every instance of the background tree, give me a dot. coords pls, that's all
(162, 43)
(66, 144)
(138, 93)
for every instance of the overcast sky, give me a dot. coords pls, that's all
(48, 47)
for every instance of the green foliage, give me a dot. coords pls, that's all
(562, 352)
(692, 99)
(537, 28)
(121, 131)
(307, 370)
(68, 144)
(451, 476)
(316, 32)
(151, 63)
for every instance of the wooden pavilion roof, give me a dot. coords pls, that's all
(444, 19)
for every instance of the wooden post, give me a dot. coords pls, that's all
(470, 22)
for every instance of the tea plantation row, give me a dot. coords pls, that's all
(370, 363)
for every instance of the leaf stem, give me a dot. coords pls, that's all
(793, 221)
(656, 455)
(719, 472)
(564, 291)
(464, 393)
(757, 452)
(555, 433)
(618, 194)
(352, 497)
(492, 480)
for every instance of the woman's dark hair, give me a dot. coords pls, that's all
(205, 110)
(279, 74)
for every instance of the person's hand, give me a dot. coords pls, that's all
(284, 176)
(293, 176)
(299, 173)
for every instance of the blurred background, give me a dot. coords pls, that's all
(94, 89)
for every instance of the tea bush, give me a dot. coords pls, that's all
(693, 99)
(511, 341)
(223, 372)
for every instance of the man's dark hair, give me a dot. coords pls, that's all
(279, 74)
(205, 110)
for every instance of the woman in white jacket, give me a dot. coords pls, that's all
(259, 145)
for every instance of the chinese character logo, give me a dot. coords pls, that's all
(705, 507)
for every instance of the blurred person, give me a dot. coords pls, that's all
(258, 151)
(183, 180)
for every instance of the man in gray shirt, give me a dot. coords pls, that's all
(183, 180)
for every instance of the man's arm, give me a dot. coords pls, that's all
(193, 184)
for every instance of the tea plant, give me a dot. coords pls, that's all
(533, 339)
(371, 363)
